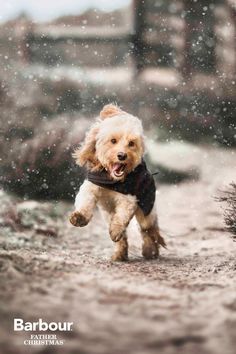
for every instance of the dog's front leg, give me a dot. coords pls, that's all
(121, 253)
(85, 203)
(125, 207)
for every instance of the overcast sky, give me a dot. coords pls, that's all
(45, 10)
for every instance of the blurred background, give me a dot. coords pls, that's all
(172, 63)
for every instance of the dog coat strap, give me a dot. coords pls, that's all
(139, 182)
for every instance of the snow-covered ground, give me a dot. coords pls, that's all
(182, 303)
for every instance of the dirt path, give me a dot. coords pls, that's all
(183, 303)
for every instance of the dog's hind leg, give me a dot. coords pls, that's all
(121, 252)
(152, 239)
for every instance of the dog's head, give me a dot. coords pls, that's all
(115, 142)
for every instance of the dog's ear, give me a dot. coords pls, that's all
(110, 110)
(85, 155)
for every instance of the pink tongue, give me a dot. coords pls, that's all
(116, 167)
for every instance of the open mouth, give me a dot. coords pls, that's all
(118, 169)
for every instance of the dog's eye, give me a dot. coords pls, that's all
(131, 143)
(113, 141)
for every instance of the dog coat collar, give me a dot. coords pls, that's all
(139, 182)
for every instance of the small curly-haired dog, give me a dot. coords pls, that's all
(118, 181)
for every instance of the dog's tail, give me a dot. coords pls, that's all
(161, 241)
(154, 233)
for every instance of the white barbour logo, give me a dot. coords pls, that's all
(20, 325)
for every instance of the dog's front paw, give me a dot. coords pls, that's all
(116, 233)
(117, 228)
(120, 257)
(77, 219)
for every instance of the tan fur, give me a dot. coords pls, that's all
(85, 155)
(109, 110)
(98, 152)
(121, 253)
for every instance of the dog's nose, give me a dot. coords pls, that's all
(122, 156)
